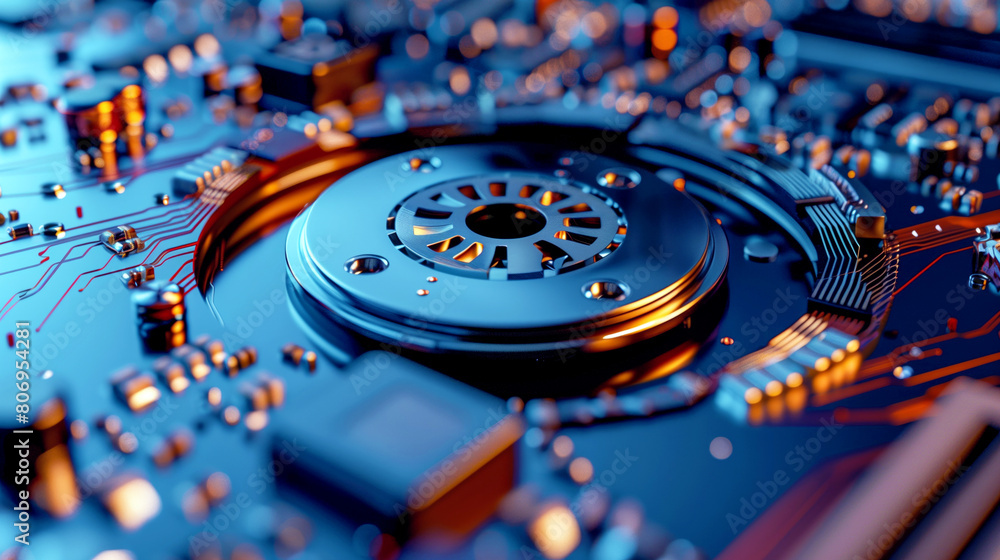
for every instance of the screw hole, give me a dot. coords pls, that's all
(606, 289)
(366, 264)
(619, 178)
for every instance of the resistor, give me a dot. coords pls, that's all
(138, 275)
(240, 360)
(122, 240)
(172, 373)
(194, 360)
(175, 446)
(213, 348)
(117, 234)
(136, 390)
(293, 353)
(23, 230)
(267, 392)
(130, 246)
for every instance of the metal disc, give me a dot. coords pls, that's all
(408, 249)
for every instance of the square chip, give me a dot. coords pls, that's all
(406, 448)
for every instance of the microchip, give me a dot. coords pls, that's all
(407, 449)
(315, 69)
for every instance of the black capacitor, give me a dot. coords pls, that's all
(929, 152)
(53, 229)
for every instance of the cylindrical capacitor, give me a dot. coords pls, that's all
(131, 103)
(214, 76)
(160, 315)
(106, 105)
(929, 150)
(86, 122)
(246, 84)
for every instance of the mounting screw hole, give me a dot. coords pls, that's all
(366, 264)
(619, 178)
(606, 289)
(422, 165)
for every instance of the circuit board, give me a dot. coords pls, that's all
(500, 279)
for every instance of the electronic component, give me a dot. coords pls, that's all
(54, 189)
(986, 262)
(266, 392)
(137, 390)
(19, 231)
(175, 446)
(138, 275)
(172, 374)
(132, 501)
(122, 241)
(54, 229)
(240, 360)
(213, 348)
(442, 476)
(195, 177)
(315, 70)
(117, 235)
(295, 354)
(193, 360)
(160, 311)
